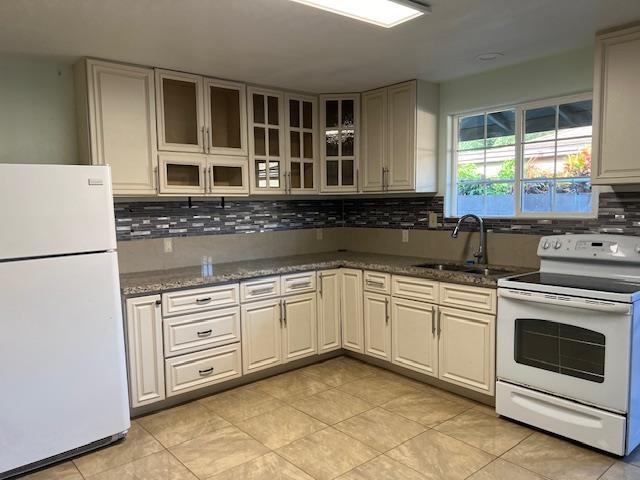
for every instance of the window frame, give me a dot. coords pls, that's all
(519, 108)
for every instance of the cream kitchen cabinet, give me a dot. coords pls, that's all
(261, 335)
(340, 140)
(615, 111)
(467, 349)
(197, 114)
(116, 120)
(329, 306)
(351, 310)
(301, 144)
(145, 357)
(400, 137)
(414, 335)
(377, 326)
(300, 330)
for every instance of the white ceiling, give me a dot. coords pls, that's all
(289, 45)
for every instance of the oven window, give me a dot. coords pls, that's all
(560, 348)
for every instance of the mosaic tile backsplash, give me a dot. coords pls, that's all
(618, 213)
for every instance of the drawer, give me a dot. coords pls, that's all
(260, 289)
(197, 370)
(199, 300)
(304, 282)
(478, 299)
(414, 288)
(377, 282)
(189, 333)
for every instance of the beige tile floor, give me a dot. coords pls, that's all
(341, 419)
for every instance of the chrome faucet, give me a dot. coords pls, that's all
(480, 254)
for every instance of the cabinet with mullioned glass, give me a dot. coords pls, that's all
(301, 138)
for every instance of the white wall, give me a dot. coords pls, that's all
(37, 110)
(554, 76)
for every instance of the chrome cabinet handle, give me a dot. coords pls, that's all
(439, 322)
(386, 311)
(434, 313)
(284, 312)
(260, 291)
(212, 179)
(321, 278)
(208, 140)
(201, 301)
(204, 148)
(280, 313)
(205, 333)
(206, 371)
(158, 302)
(375, 284)
(301, 285)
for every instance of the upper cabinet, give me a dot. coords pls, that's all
(340, 129)
(301, 138)
(116, 119)
(200, 115)
(266, 141)
(615, 108)
(400, 138)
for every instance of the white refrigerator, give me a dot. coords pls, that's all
(63, 384)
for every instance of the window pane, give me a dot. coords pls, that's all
(471, 165)
(347, 113)
(574, 158)
(347, 143)
(540, 124)
(274, 174)
(501, 128)
(258, 108)
(258, 141)
(575, 115)
(294, 113)
(274, 142)
(471, 132)
(331, 143)
(499, 199)
(347, 172)
(308, 175)
(536, 196)
(307, 114)
(573, 196)
(183, 175)
(501, 163)
(308, 144)
(331, 113)
(295, 144)
(332, 172)
(261, 173)
(272, 105)
(539, 160)
(471, 198)
(227, 176)
(296, 178)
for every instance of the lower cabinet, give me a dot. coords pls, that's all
(377, 326)
(329, 323)
(467, 349)
(145, 355)
(299, 335)
(414, 334)
(351, 310)
(261, 335)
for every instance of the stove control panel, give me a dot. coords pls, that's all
(596, 247)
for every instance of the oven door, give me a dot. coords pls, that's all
(573, 347)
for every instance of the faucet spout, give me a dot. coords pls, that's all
(480, 254)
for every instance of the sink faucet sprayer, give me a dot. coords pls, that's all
(480, 254)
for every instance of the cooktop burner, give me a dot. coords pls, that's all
(578, 281)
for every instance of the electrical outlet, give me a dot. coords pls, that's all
(433, 220)
(168, 245)
(319, 233)
(405, 236)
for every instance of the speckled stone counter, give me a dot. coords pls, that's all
(146, 283)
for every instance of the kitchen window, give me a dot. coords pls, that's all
(528, 160)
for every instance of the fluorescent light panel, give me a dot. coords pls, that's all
(385, 13)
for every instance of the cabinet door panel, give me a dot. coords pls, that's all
(182, 174)
(300, 326)
(144, 350)
(329, 324)
(467, 349)
(351, 311)
(402, 132)
(122, 115)
(226, 117)
(301, 137)
(228, 175)
(377, 327)
(261, 335)
(415, 341)
(374, 139)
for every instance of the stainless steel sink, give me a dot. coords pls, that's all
(451, 267)
(476, 270)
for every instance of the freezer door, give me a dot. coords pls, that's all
(55, 209)
(62, 366)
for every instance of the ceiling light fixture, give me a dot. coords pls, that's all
(384, 13)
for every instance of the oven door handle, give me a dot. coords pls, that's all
(550, 299)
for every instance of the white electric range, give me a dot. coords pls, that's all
(568, 341)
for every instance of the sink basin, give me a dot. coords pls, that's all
(451, 267)
(476, 270)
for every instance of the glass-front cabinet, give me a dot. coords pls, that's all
(227, 175)
(182, 173)
(301, 140)
(340, 122)
(266, 145)
(225, 117)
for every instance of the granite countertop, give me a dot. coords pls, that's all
(146, 283)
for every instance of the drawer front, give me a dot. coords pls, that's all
(471, 298)
(197, 370)
(377, 282)
(199, 300)
(414, 288)
(304, 282)
(189, 333)
(260, 289)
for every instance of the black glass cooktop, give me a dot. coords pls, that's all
(576, 281)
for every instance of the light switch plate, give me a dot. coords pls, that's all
(405, 236)
(168, 245)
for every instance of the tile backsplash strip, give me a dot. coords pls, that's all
(618, 213)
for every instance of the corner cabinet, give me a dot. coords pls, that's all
(340, 139)
(329, 323)
(145, 355)
(351, 310)
(116, 119)
(400, 138)
(615, 112)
